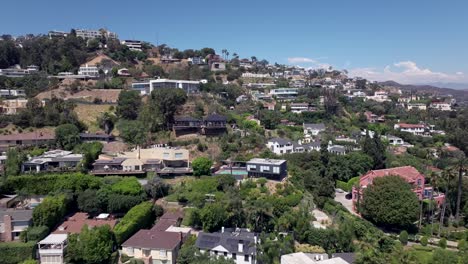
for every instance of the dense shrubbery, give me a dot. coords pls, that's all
(127, 186)
(14, 252)
(139, 217)
(51, 211)
(36, 233)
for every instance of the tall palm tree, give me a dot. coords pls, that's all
(445, 174)
(460, 166)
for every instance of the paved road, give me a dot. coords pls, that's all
(340, 196)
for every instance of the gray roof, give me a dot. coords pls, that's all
(17, 215)
(228, 240)
(348, 257)
(319, 126)
(114, 161)
(280, 141)
(337, 148)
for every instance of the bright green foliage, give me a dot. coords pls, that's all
(462, 245)
(28, 184)
(132, 131)
(201, 166)
(442, 256)
(16, 252)
(273, 246)
(213, 217)
(36, 233)
(403, 237)
(127, 186)
(119, 203)
(51, 211)
(67, 136)
(29, 261)
(347, 186)
(424, 241)
(140, 216)
(91, 245)
(390, 202)
(166, 101)
(90, 151)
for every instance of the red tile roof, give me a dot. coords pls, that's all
(409, 173)
(404, 125)
(75, 223)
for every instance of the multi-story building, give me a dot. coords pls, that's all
(89, 70)
(417, 106)
(281, 146)
(267, 168)
(441, 106)
(91, 33)
(408, 173)
(146, 87)
(12, 106)
(143, 87)
(52, 249)
(196, 61)
(133, 44)
(284, 93)
(415, 129)
(237, 244)
(12, 93)
(379, 96)
(13, 222)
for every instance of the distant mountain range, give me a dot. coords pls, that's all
(460, 94)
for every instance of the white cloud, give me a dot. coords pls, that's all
(296, 60)
(407, 72)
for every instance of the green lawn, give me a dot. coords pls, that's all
(421, 253)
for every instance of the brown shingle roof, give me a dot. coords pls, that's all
(151, 239)
(29, 136)
(75, 223)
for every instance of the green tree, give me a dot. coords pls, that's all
(93, 245)
(13, 162)
(166, 101)
(67, 136)
(202, 166)
(128, 104)
(442, 243)
(424, 241)
(89, 202)
(156, 188)
(213, 217)
(442, 256)
(403, 237)
(374, 147)
(390, 202)
(133, 132)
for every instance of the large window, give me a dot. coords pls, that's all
(276, 170)
(264, 168)
(178, 155)
(251, 167)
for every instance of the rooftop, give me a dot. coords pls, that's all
(16, 215)
(228, 240)
(154, 239)
(407, 172)
(267, 161)
(54, 239)
(75, 223)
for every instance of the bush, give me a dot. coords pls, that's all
(14, 252)
(118, 203)
(424, 241)
(127, 186)
(443, 243)
(51, 211)
(36, 233)
(139, 217)
(403, 237)
(201, 166)
(462, 245)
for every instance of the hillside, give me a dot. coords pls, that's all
(460, 95)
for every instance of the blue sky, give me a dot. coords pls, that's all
(409, 41)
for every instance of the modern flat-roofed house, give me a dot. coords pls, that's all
(284, 93)
(133, 44)
(186, 125)
(13, 222)
(143, 87)
(415, 129)
(52, 249)
(90, 71)
(417, 106)
(408, 173)
(26, 139)
(395, 141)
(313, 129)
(190, 87)
(268, 168)
(237, 244)
(54, 160)
(214, 125)
(441, 106)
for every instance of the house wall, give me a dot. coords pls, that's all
(155, 254)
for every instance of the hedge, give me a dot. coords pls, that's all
(51, 211)
(47, 183)
(36, 233)
(139, 217)
(16, 252)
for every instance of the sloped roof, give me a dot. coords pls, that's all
(29, 136)
(153, 239)
(16, 215)
(280, 141)
(319, 126)
(408, 173)
(229, 241)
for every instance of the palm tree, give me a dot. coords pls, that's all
(460, 166)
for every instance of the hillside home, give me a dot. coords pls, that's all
(135, 45)
(74, 223)
(409, 174)
(12, 93)
(313, 129)
(13, 222)
(373, 118)
(281, 146)
(267, 168)
(441, 106)
(91, 71)
(237, 244)
(314, 258)
(52, 249)
(415, 129)
(284, 93)
(12, 106)
(26, 139)
(160, 244)
(54, 160)
(417, 106)
(379, 96)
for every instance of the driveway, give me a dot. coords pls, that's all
(340, 196)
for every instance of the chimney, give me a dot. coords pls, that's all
(222, 229)
(240, 246)
(181, 236)
(8, 236)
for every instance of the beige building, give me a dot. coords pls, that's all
(169, 157)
